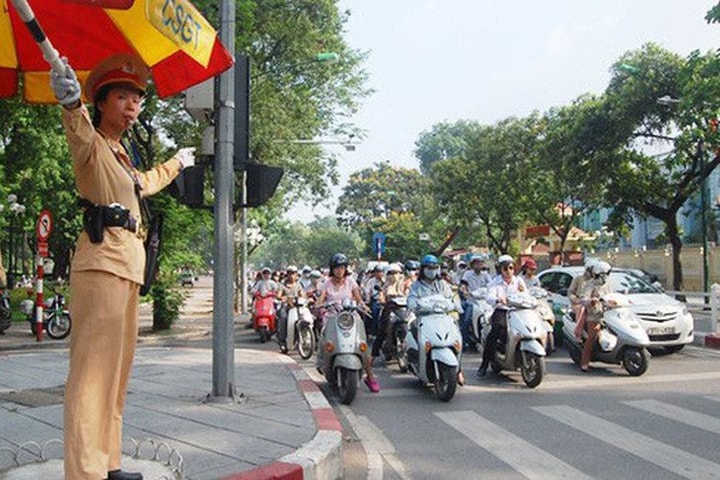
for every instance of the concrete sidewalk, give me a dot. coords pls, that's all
(281, 425)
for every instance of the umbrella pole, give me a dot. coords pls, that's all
(49, 53)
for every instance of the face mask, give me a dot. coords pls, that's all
(431, 273)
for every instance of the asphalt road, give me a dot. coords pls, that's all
(604, 424)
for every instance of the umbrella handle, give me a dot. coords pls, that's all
(49, 53)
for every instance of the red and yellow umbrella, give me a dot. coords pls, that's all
(179, 46)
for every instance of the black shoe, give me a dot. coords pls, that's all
(482, 371)
(120, 475)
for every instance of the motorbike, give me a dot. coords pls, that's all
(547, 315)
(264, 315)
(622, 339)
(56, 319)
(522, 345)
(300, 333)
(438, 361)
(5, 312)
(481, 312)
(343, 348)
(394, 345)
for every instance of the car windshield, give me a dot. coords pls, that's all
(626, 282)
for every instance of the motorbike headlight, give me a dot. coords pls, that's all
(345, 321)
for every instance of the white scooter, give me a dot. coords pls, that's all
(481, 312)
(522, 346)
(438, 361)
(622, 340)
(343, 348)
(300, 333)
(546, 313)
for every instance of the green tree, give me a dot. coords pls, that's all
(664, 152)
(443, 141)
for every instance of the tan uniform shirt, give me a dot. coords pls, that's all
(101, 179)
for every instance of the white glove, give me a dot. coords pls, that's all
(65, 85)
(186, 157)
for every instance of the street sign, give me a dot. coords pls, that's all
(44, 226)
(379, 244)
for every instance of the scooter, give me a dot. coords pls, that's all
(264, 315)
(394, 345)
(343, 348)
(546, 313)
(5, 312)
(622, 340)
(481, 312)
(56, 319)
(438, 361)
(300, 333)
(521, 347)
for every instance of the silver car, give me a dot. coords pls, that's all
(667, 321)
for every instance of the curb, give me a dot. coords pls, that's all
(321, 457)
(712, 340)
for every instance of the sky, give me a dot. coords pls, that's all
(433, 61)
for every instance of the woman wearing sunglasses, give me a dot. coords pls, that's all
(504, 284)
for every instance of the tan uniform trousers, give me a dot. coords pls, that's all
(104, 310)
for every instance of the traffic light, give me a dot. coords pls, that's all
(188, 186)
(261, 182)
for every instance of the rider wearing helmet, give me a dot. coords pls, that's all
(289, 292)
(504, 284)
(393, 288)
(593, 304)
(412, 268)
(305, 277)
(474, 278)
(430, 283)
(579, 288)
(265, 283)
(528, 273)
(340, 286)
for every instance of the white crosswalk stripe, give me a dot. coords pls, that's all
(673, 459)
(678, 414)
(534, 463)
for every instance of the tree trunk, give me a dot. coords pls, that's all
(676, 242)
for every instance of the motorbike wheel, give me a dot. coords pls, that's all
(5, 319)
(58, 327)
(264, 334)
(401, 355)
(532, 369)
(306, 342)
(636, 361)
(573, 351)
(550, 343)
(446, 383)
(347, 383)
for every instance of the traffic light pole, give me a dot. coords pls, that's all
(223, 389)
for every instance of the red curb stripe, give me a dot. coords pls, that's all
(308, 386)
(274, 471)
(712, 341)
(325, 419)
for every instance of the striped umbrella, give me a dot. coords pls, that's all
(179, 46)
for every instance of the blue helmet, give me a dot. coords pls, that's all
(429, 261)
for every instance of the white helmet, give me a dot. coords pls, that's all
(589, 262)
(505, 259)
(394, 267)
(607, 340)
(601, 268)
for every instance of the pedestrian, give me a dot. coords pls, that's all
(109, 262)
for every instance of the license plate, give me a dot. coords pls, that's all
(660, 330)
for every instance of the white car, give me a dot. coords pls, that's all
(666, 320)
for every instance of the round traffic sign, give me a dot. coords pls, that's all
(44, 226)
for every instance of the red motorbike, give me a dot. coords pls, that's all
(264, 315)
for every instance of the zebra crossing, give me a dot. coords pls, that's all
(530, 460)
